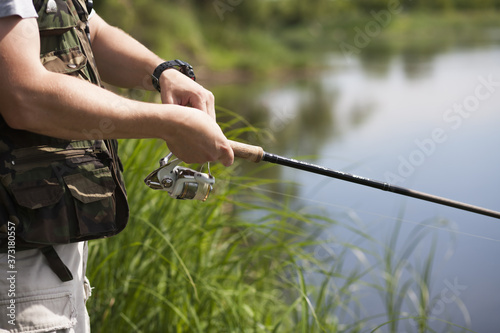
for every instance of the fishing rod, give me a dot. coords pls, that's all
(257, 154)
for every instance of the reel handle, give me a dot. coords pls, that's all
(247, 152)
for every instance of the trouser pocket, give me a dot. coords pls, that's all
(40, 313)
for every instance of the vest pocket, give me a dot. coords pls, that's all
(66, 61)
(38, 194)
(42, 211)
(75, 207)
(93, 197)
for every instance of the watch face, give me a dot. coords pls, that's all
(188, 71)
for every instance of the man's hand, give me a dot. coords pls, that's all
(197, 138)
(177, 88)
(124, 62)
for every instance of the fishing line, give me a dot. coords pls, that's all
(396, 219)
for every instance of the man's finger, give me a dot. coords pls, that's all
(227, 157)
(211, 108)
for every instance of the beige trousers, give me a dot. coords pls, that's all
(33, 298)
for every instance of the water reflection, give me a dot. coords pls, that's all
(308, 114)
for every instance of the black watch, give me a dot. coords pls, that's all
(180, 65)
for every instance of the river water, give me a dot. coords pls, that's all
(428, 124)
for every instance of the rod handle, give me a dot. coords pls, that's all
(247, 152)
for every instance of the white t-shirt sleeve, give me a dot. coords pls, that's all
(23, 8)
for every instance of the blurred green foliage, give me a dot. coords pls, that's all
(262, 35)
(265, 13)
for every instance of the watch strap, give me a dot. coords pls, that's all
(180, 65)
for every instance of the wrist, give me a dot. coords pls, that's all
(177, 64)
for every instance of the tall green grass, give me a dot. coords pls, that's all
(243, 261)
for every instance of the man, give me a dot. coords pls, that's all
(42, 271)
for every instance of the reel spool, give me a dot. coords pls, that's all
(180, 182)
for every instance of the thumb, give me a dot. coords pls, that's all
(227, 155)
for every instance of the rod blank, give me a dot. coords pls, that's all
(257, 154)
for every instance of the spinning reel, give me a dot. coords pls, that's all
(180, 182)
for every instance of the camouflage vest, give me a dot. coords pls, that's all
(59, 191)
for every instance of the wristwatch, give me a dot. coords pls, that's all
(180, 65)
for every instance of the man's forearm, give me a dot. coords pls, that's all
(62, 106)
(66, 107)
(122, 61)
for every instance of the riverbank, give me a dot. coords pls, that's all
(243, 55)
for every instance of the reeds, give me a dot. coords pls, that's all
(244, 261)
